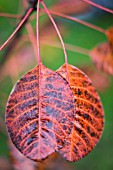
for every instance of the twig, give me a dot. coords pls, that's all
(17, 33)
(17, 16)
(17, 28)
(78, 20)
(99, 6)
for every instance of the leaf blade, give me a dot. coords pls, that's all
(22, 113)
(88, 122)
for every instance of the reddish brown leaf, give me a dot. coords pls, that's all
(102, 57)
(38, 133)
(88, 124)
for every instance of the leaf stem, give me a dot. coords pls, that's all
(37, 32)
(39, 67)
(99, 6)
(59, 35)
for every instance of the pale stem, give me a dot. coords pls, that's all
(59, 35)
(16, 30)
(17, 16)
(39, 70)
(37, 33)
(98, 6)
(79, 21)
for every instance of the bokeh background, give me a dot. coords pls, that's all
(21, 58)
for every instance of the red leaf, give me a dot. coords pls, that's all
(36, 133)
(88, 124)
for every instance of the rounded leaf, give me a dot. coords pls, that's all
(39, 113)
(88, 122)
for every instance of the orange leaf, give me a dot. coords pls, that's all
(88, 123)
(102, 57)
(38, 125)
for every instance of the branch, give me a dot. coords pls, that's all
(17, 33)
(99, 6)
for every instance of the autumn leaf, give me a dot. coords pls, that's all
(38, 125)
(102, 56)
(88, 122)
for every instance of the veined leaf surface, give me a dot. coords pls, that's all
(88, 122)
(39, 118)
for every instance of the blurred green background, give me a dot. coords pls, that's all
(22, 59)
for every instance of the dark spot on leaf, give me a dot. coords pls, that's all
(85, 115)
(79, 92)
(93, 134)
(64, 127)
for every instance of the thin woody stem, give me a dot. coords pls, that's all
(17, 16)
(59, 35)
(78, 20)
(98, 6)
(17, 29)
